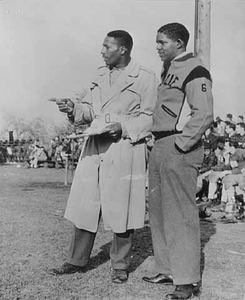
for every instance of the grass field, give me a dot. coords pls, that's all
(34, 237)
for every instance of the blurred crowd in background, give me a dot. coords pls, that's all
(33, 154)
(221, 180)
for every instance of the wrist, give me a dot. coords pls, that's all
(70, 113)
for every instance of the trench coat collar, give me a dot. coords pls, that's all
(125, 80)
(132, 70)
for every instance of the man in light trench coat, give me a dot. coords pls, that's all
(111, 173)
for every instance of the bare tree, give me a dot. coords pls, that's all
(15, 124)
(38, 128)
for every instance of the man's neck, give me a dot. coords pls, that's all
(180, 54)
(122, 64)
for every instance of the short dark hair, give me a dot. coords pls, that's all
(232, 126)
(123, 38)
(215, 124)
(221, 139)
(241, 124)
(207, 145)
(176, 31)
(241, 117)
(233, 143)
(218, 119)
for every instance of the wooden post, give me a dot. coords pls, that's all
(202, 31)
(72, 158)
(66, 170)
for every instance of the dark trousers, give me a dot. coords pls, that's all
(83, 241)
(173, 212)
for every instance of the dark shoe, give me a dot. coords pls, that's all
(159, 278)
(185, 291)
(119, 276)
(228, 220)
(67, 268)
(240, 217)
(203, 214)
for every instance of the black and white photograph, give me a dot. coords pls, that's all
(122, 149)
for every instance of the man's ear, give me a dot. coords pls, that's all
(123, 50)
(180, 44)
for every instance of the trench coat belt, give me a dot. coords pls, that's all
(112, 118)
(162, 134)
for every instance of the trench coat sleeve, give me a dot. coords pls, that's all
(83, 111)
(140, 126)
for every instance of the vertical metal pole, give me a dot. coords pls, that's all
(202, 31)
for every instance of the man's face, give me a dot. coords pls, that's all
(238, 129)
(220, 145)
(111, 51)
(167, 48)
(233, 164)
(207, 151)
(228, 129)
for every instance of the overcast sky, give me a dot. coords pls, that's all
(51, 48)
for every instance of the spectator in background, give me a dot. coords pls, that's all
(229, 118)
(3, 152)
(220, 126)
(220, 153)
(57, 140)
(240, 137)
(27, 147)
(38, 156)
(234, 176)
(51, 149)
(59, 154)
(230, 131)
(17, 151)
(209, 161)
(78, 148)
(66, 147)
(37, 142)
(240, 119)
(10, 155)
(22, 152)
(211, 135)
(223, 163)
